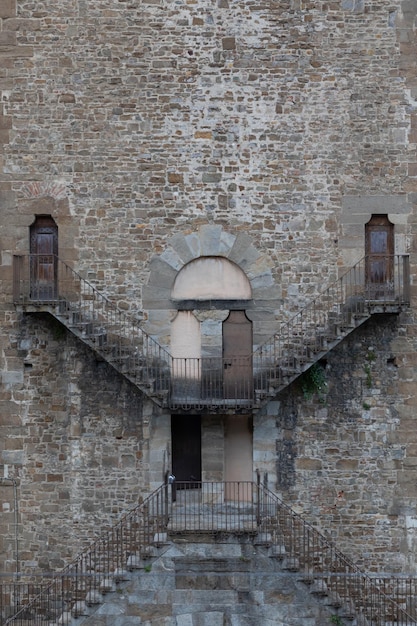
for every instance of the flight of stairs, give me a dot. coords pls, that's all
(231, 580)
(299, 342)
(196, 560)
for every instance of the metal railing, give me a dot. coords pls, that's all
(90, 315)
(328, 572)
(248, 507)
(206, 382)
(127, 546)
(327, 319)
(44, 282)
(209, 507)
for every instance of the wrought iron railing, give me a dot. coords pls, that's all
(209, 507)
(127, 546)
(47, 283)
(15, 595)
(327, 571)
(327, 319)
(248, 507)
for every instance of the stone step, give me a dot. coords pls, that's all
(224, 581)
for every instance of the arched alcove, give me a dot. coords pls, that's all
(211, 278)
(207, 269)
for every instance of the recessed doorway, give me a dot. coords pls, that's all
(379, 250)
(237, 356)
(238, 454)
(43, 258)
(186, 447)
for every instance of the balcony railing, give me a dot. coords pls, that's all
(230, 507)
(327, 319)
(44, 282)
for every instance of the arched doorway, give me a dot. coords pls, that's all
(43, 258)
(379, 251)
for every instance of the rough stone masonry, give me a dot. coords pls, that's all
(282, 126)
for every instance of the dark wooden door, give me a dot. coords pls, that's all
(379, 250)
(237, 356)
(43, 258)
(186, 447)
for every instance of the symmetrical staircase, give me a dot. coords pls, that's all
(274, 542)
(219, 509)
(183, 384)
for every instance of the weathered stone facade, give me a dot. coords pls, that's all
(155, 133)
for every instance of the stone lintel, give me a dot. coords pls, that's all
(207, 305)
(9, 51)
(359, 208)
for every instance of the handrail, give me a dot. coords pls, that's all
(209, 507)
(327, 570)
(96, 570)
(237, 507)
(44, 281)
(328, 318)
(47, 281)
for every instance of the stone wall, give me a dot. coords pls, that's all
(346, 452)
(286, 124)
(258, 117)
(77, 447)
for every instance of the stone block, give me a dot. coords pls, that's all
(229, 43)
(210, 239)
(184, 619)
(347, 464)
(175, 178)
(14, 52)
(181, 247)
(364, 205)
(6, 124)
(308, 464)
(162, 274)
(7, 38)
(12, 378)
(7, 8)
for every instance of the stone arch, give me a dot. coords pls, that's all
(211, 240)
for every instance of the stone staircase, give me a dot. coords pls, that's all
(299, 343)
(237, 562)
(204, 581)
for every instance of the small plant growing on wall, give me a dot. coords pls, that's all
(368, 376)
(313, 382)
(335, 619)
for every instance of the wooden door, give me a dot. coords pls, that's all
(43, 258)
(186, 447)
(379, 251)
(237, 356)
